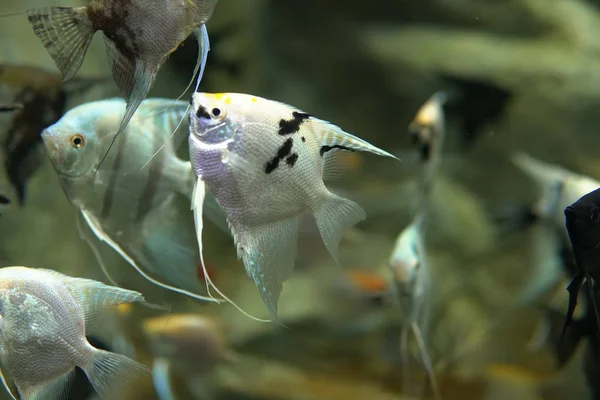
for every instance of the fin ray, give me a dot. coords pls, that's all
(110, 373)
(93, 296)
(333, 216)
(95, 227)
(66, 33)
(268, 252)
(57, 389)
(334, 138)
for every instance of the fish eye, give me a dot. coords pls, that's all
(77, 141)
(217, 113)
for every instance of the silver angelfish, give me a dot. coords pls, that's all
(43, 319)
(139, 36)
(142, 213)
(408, 263)
(264, 162)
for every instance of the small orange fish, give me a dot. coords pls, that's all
(367, 282)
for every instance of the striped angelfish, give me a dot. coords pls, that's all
(132, 206)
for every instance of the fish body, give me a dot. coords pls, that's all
(559, 188)
(264, 162)
(411, 280)
(583, 227)
(134, 209)
(43, 339)
(190, 346)
(38, 99)
(139, 35)
(427, 131)
(193, 342)
(408, 262)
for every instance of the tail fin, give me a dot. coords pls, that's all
(333, 216)
(66, 33)
(111, 373)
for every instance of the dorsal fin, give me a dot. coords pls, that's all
(333, 137)
(93, 296)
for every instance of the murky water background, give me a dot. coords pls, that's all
(367, 65)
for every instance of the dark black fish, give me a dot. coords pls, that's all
(139, 36)
(474, 104)
(583, 227)
(582, 331)
(39, 101)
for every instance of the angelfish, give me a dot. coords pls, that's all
(583, 226)
(190, 346)
(139, 36)
(142, 213)
(408, 263)
(264, 162)
(44, 316)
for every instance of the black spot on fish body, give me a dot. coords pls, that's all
(202, 113)
(287, 127)
(4, 200)
(291, 160)
(282, 153)
(303, 139)
(112, 18)
(325, 149)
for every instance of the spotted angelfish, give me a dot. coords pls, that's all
(264, 162)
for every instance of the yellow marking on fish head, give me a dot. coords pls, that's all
(428, 114)
(223, 97)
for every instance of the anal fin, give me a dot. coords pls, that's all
(57, 389)
(268, 252)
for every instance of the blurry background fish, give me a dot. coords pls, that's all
(369, 65)
(40, 99)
